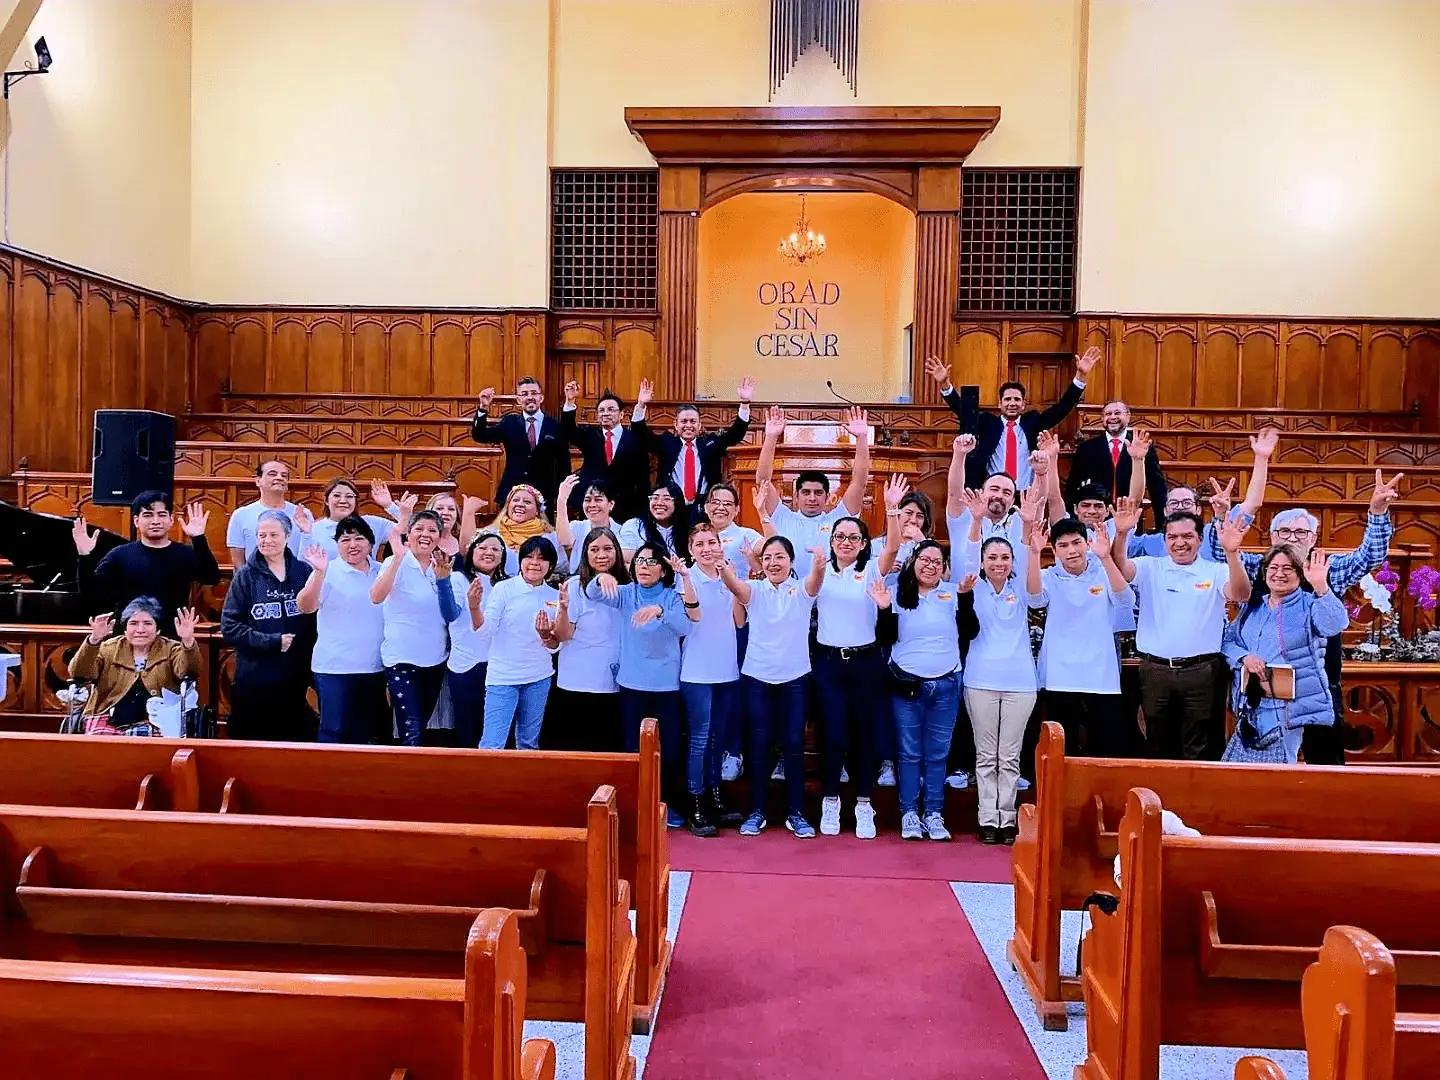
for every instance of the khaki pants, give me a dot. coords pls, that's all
(998, 718)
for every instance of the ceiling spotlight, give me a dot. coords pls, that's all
(42, 56)
(43, 60)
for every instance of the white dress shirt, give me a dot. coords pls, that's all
(1024, 476)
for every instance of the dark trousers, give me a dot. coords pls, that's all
(271, 712)
(1324, 744)
(467, 704)
(1091, 722)
(962, 744)
(413, 694)
(852, 689)
(776, 709)
(575, 720)
(353, 708)
(1184, 709)
(662, 706)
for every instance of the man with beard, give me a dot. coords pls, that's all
(535, 449)
(1106, 460)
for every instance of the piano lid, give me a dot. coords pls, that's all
(40, 546)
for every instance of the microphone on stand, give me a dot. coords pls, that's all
(831, 387)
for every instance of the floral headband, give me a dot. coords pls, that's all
(539, 499)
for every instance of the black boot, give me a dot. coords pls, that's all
(718, 812)
(699, 822)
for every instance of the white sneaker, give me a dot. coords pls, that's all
(1022, 784)
(864, 820)
(779, 773)
(731, 766)
(887, 774)
(959, 780)
(910, 827)
(844, 775)
(935, 826)
(830, 816)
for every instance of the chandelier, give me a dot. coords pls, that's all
(804, 243)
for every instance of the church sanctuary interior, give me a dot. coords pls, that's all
(717, 539)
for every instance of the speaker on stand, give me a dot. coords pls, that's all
(133, 451)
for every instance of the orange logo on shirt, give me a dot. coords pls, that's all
(1096, 590)
(552, 603)
(942, 596)
(859, 575)
(1010, 598)
(1203, 586)
(790, 591)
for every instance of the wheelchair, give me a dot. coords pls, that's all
(196, 721)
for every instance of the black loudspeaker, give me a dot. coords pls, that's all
(134, 451)
(969, 410)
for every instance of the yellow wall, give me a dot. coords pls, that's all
(99, 148)
(389, 153)
(1257, 157)
(1019, 54)
(869, 268)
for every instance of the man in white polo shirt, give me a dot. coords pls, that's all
(1184, 680)
(808, 524)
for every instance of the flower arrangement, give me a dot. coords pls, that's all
(1425, 588)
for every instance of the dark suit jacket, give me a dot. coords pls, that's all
(543, 468)
(711, 448)
(1092, 464)
(991, 427)
(628, 476)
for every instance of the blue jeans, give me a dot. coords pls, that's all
(852, 692)
(413, 694)
(923, 726)
(776, 708)
(705, 703)
(467, 702)
(353, 708)
(524, 705)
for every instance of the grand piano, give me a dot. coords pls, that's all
(41, 585)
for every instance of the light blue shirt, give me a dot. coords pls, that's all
(348, 627)
(323, 534)
(240, 530)
(649, 654)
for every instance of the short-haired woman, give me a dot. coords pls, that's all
(130, 670)
(417, 605)
(1286, 621)
(727, 727)
(469, 658)
(585, 707)
(272, 639)
(664, 521)
(349, 674)
(519, 616)
(598, 506)
(776, 675)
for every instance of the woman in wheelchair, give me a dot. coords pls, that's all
(126, 672)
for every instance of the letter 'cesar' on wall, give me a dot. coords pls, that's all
(795, 319)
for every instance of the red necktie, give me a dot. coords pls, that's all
(1012, 451)
(1115, 453)
(690, 472)
(533, 437)
(609, 446)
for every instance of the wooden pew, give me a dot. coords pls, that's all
(1213, 934)
(1352, 1031)
(329, 896)
(128, 1023)
(479, 787)
(1066, 845)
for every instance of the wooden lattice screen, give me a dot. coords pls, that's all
(1018, 231)
(604, 228)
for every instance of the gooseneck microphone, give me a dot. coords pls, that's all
(831, 387)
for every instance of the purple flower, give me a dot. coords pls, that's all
(1425, 587)
(1386, 576)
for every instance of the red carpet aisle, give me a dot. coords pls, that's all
(870, 975)
(775, 851)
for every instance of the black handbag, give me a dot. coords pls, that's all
(902, 684)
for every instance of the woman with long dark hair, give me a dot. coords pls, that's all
(469, 659)
(585, 707)
(664, 521)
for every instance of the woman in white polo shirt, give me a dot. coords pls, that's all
(597, 503)
(664, 521)
(849, 667)
(416, 610)
(517, 614)
(469, 641)
(349, 674)
(341, 500)
(584, 709)
(776, 674)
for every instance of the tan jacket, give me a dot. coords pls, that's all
(110, 666)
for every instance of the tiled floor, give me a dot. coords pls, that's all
(991, 912)
(569, 1039)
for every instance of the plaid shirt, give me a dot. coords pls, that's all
(1345, 570)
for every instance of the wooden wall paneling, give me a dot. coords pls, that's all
(46, 370)
(450, 355)
(1137, 373)
(486, 357)
(1342, 387)
(325, 360)
(409, 371)
(132, 381)
(371, 354)
(679, 262)
(249, 347)
(289, 355)
(1257, 359)
(525, 334)
(7, 382)
(211, 364)
(1217, 369)
(977, 358)
(1303, 367)
(937, 257)
(1422, 371)
(1176, 364)
(635, 355)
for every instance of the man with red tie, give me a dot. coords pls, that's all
(690, 457)
(1003, 443)
(535, 452)
(610, 454)
(1106, 460)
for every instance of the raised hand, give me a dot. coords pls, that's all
(1032, 503)
(880, 593)
(1039, 463)
(761, 495)
(380, 493)
(1087, 360)
(85, 540)
(1220, 498)
(965, 444)
(486, 397)
(895, 490)
(442, 563)
(858, 423)
(1049, 442)
(609, 587)
(1263, 444)
(544, 625)
(567, 488)
(196, 518)
(967, 584)
(563, 600)
(774, 421)
(1100, 542)
(185, 620)
(101, 627)
(818, 556)
(1127, 515)
(1317, 571)
(647, 614)
(1231, 534)
(475, 594)
(396, 537)
(407, 504)
(938, 370)
(572, 392)
(1035, 538)
(976, 502)
(746, 390)
(1384, 494)
(678, 565)
(471, 506)
(304, 520)
(1139, 444)
(646, 393)
(316, 557)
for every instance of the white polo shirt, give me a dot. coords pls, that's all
(708, 651)
(928, 641)
(734, 537)
(1182, 608)
(414, 629)
(512, 557)
(517, 655)
(1000, 657)
(348, 627)
(779, 616)
(807, 532)
(322, 535)
(1010, 527)
(1080, 657)
(846, 611)
(632, 535)
(590, 659)
(240, 530)
(468, 646)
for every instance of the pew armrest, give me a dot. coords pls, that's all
(1107, 844)
(1258, 1068)
(537, 1060)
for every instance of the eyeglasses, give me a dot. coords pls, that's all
(720, 504)
(932, 563)
(662, 496)
(1180, 504)
(1292, 534)
(847, 538)
(1283, 568)
(646, 560)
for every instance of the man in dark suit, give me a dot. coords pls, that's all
(609, 453)
(1003, 443)
(535, 450)
(1106, 460)
(690, 458)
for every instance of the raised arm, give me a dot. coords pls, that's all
(563, 532)
(955, 477)
(308, 598)
(812, 581)
(1055, 414)
(739, 587)
(1138, 449)
(1231, 533)
(894, 491)
(858, 425)
(1103, 547)
(1034, 592)
(569, 414)
(939, 371)
(1049, 472)
(1349, 568)
(386, 581)
(734, 435)
(481, 430)
(470, 509)
(765, 463)
(1263, 445)
(1127, 513)
(687, 588)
